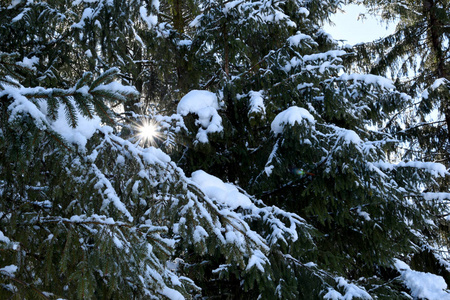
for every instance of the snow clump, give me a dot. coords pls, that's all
(205, 105)
(421, 284)
(291, 116)
(224, 193)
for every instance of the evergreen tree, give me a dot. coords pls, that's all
(295, 132)
(417, 57)
(86, 214)
(246, 97)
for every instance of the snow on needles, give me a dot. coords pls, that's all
(350, 289)
(291, 116)
(3, 238)
(423, 285)
(29, 63)
(295, 40)
(205, 105)
(436, 169)
(257, 102)
(350, 137)
(229, 199)
(436, 84)
(382, 82)
(21, 105)
(150, 19)
(224, 193)
(79, 135)
(9, 270)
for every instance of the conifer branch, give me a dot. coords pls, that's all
(27, 285)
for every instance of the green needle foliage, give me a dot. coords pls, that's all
(416, 55)
(268, 175)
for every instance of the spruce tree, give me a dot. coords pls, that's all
(298, 133)
(248, 98)
(416, 57)
(87, 214)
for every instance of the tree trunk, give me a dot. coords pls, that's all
(177, 14)
(226, 50)
(435, 40)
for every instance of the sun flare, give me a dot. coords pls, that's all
(148, 131)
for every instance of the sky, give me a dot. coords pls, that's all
(354, 31)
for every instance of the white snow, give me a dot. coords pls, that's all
(268, 170)
(310, 264)
(79, 135)
(303, 11)
(38, 110)
(231, 5)
(156, 4)
(224, 193)
(196, 22)
(29, 62)
(233, 236)
(196, 100)
(436, 196)
(154, 155)
(296, 39)
(350, 289)
(382, 82)
(172, 294)
(109, 193)
(333, 295)
(115, 86)
(120, 159)
(324, 56)
(184, 42)
(19, 16)
(150, 19)
(88, 14)
(436, 169)
(258, 260)
(257, 102)
(117, 242)
(205, 105)
(350, 137)
(363, 214)
(94, 218)
(438, 82)
(199, 234)
(4, 238)
(423, 285)
(10, 270)
(291, 116)
(22, 105)
(14, 3)
(221, 268)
